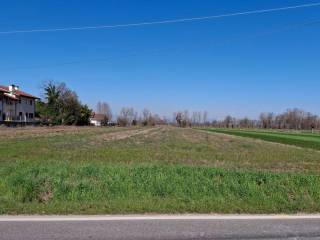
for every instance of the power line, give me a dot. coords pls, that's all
(164, 21)
(169, 50)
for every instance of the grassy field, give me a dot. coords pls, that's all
(143, 170)
(305, 140)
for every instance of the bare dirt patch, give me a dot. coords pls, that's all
(120, 135)
(40, 131)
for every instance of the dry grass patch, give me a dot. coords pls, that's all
(34, 132)
(119, 135)
(158, 145)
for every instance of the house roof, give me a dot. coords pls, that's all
(10, 96)
(17, 92)
(3, 90)
(98, 117)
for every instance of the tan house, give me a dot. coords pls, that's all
(97, 119)
(16, 105)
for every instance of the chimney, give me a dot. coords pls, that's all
(13, 88)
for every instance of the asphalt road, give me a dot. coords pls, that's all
(160, 228)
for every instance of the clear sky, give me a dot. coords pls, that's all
(239, 65)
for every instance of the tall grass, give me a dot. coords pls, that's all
(64, 187)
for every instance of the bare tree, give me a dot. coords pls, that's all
(246, 123)
(205, 118)
(126, 116)
(229, 122)
(196, 118)
(134, 121)
(295, 118)
(99, 108)
(178, 117)
(186, 119)
(182, 118)
(104, 108)
(147, 118)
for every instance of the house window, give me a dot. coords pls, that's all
(19, 100)
(31, 115)
(31, 102)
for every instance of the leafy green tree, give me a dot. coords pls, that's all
(85, 113)
(52, 95)
(62, 106)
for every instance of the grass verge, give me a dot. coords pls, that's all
(96, 188)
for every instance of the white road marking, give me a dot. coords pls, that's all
(56, 218)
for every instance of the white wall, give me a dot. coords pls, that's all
(95, 122)
(25, 107)
(9, 109)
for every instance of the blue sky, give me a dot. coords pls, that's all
(225, 66)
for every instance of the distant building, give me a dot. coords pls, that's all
(97, 119)
(16, 105)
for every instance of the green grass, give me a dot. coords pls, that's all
(305, 140)
(159, 170)
(158, 146)
(91, 188)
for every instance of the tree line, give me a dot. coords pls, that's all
(61, 106)
(297, 119)
(129, 117)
